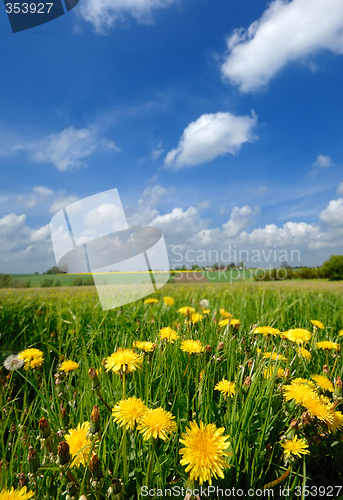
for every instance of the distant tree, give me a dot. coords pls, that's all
(333, 268)
(77, 282)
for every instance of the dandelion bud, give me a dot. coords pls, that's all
(44, 428)
(95, 382)
(33, 459)
(220, 346)
(58, 438)
(95, 420)
(59, 382)
(71, 489)
(306, 419)
(247, 381)
(116, 485)
(95, 467)
(208, 349)
(338, 387)
(286, 373)
(326, 369)
(22, 480)
(64, 416)
(250, 363)
(290, 433)
(63, 453)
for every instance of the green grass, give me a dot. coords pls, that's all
(70, 323)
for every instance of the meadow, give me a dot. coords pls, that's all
(234, 386)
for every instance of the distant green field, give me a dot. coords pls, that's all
(229, 276)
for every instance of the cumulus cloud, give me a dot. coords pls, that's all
(67, 149)
(333, 214)
(286, 32)
(210, 136)
(340, 188)
(103, 14)
(39, 195)
(61, 202)
(23, 249)
(322, 161)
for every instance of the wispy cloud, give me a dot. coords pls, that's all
(323, 161)
(210, 136)
(286, 32)
(103, 14)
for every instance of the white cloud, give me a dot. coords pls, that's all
(157, 152)
(23, 249)
(153, 194)
(39, 195)
(103, 14)
(61, 202)
(333, 214)
(322, 161)
(286, 32)
(239, 220)
(210, 136)
(340, 188)
(67, 149)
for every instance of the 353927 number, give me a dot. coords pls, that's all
(28, 8)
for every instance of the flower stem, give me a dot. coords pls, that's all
(152, 451)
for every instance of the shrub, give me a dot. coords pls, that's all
(90, 282)
(46, 283)
(77, 282)
(280, 274)
(58, 283)
(333, 267)
(5, 280)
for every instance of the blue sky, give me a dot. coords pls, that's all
(219, 121)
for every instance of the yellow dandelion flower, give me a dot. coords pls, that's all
(187, 311)
(204, 452)
(206, 311)
(129, 412)
(299, 392)
(226, 387)
(123, 360)
(169, 301)
(337, 422)
(168, 334)
(223, 322)
(196, 317)
(274, 356)
(144, 345)
(235, 322)
(295, 447)
(340, 333)
(68, 366)
(33, 358)
(34, 363)
(224, 314)
(300, 380)
(318, 324)
(316, 408)
(267, 330)
(298, 335)
(151, 301)
(304, 353)
(13, 494)
(191, 346)
(79, 444)
(323, 382)
(157, 423)
(326, 344)
(269, 372)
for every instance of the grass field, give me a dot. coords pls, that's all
(67, 323)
